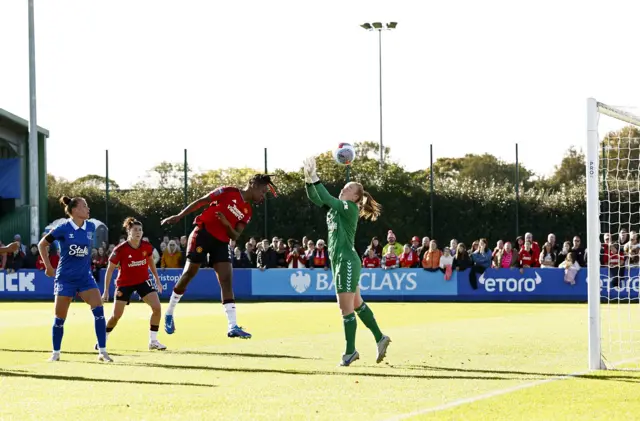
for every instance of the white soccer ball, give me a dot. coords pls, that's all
(344, 154)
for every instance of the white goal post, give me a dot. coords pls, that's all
(613, 203)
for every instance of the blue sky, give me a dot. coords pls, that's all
(146, 79)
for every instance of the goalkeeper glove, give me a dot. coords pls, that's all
(310, 175)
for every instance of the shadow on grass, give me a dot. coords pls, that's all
(209, 353)
(242, 354)
(23, 374)
(606, 376)
(42, 351)
(347, 372)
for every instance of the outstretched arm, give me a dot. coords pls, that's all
(11, 248)
(310, 177)
(312, 194)
(316, 192)
(328, 200)
(193, 206)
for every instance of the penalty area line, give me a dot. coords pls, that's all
(494, 393)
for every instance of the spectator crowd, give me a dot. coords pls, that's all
(617, 254)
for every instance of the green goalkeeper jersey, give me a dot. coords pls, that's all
(342, 222)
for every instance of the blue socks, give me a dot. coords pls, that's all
(57, 332)
(101, 326)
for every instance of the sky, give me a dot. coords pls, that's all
(146, 79)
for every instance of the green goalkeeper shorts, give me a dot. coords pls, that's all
(346, 275)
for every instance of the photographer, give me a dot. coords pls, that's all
(296, 258)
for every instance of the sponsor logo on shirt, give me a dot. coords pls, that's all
(137, 263)
(78, 251)
(234, 210)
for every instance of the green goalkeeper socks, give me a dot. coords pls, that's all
(367, 317)
(350, 326)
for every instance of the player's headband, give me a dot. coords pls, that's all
(272, 188)
(263, 179)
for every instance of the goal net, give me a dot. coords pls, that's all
(613, 224)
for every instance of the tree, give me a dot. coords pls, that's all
(237, 177)
(484, 169)
(621, 154)
(364, 169)
(471, 199)
(167, 175)
(571, 171)
(97, 181)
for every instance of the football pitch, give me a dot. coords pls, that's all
(446, 361)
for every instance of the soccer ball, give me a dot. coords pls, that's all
(344, 154)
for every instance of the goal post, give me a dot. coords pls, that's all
(613, 204)
(593, 236)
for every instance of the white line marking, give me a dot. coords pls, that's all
(495, 393)
(477, 398)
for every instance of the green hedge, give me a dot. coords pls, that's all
(467, 202)
(463, 210)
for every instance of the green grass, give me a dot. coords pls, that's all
(440, 353)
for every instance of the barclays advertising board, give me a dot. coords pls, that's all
(400, 285)
(373, 282)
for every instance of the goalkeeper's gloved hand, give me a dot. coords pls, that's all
(307, 176)
(310, 175)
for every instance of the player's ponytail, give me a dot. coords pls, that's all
(65, 200)
(369, 207)
(69, 203)
(130, 222)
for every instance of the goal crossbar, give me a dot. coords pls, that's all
(618, 114)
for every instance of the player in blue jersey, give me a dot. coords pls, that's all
(73, 275)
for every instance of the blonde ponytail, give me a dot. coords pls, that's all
(369, 208)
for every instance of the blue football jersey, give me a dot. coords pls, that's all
(75, 250)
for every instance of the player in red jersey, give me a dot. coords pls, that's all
(135, 258)
(11, 248)
(228, 214)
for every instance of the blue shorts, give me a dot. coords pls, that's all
(69, 288)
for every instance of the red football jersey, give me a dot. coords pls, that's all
(369, 262)
(229, 201)
(407, 260)
(134, 268)
(390, 260)
(526, 258)
(615, 259)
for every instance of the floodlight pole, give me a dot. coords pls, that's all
(34, 193)
(380, 73)
(377, 26)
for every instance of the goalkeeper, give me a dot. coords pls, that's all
(342, 222)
